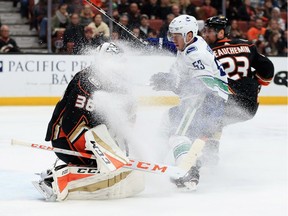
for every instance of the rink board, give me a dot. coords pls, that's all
(42, 79)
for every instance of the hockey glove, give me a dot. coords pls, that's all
(163, 81)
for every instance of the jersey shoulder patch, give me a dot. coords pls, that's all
(191, 49)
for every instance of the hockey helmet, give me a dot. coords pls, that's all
(108, 48)
(183, 24)
(218, 23)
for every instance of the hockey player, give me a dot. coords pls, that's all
(199, 80)
(238, 57)
(79, 123)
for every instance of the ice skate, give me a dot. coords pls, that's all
(189, 181)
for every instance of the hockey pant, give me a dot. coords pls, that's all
(80, 182)
(193, 121)
(243, 104)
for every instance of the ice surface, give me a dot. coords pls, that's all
(250, 180)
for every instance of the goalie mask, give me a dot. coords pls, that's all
(108, 48)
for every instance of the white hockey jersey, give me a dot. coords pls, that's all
(197, 61)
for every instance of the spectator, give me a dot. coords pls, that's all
(151, 9)
(165, 9)
(273, 27)
(260, 45)
(231, 11)
(144, 26)
(124, 20)
(207, 10)
(61, 19)
(183, 4)
(73, 6)
(191, 9)
(260, 13)
(246, 12)
(74, 31)
(115, 36)
(276, 14)
(175, 9)
(152, 34)
(274, 45)
(235, 31)
(134, 15)
(86, 15)
(24, 8)
(87, 42)
(100, 29)
(39, 11)
(165, 27)
(115, 14)
(256, 32)
(123, 7)
(136, 31)
(283, 6)
(7, 44)
(267, 9)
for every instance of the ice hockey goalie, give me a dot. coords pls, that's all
(78, 124)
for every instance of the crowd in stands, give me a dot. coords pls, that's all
(76, 25)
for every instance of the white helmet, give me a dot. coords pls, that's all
(108, 48)
(183, 24)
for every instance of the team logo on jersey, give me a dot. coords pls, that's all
(1, 66)
(191, 49)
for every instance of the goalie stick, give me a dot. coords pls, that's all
(156, 168)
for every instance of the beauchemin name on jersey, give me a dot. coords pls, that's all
(232, 50)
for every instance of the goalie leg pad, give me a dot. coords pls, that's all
(109, 156)
(74, 182)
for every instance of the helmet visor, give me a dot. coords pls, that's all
(172, 37)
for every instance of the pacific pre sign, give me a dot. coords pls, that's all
(42, 79)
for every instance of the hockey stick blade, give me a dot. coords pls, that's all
(144, 166)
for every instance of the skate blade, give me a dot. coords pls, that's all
(43, 192)
(190, 186)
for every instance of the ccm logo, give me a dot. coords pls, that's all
(87, 170)
(42, 147)
(147, 166)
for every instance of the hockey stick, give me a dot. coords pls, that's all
(117, 23)
(156, 168)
